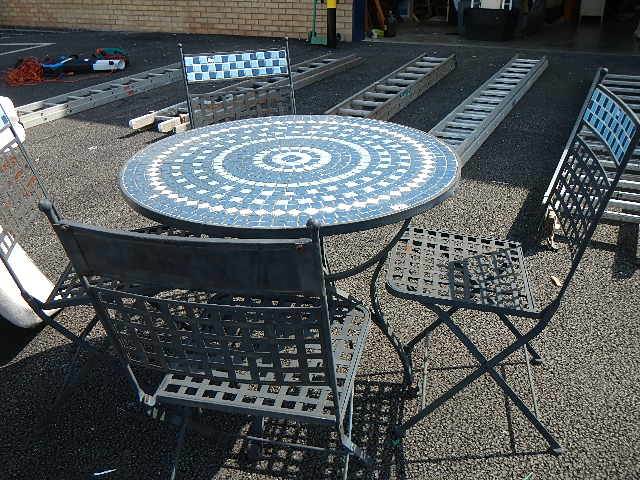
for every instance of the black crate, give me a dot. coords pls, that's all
(489, 24)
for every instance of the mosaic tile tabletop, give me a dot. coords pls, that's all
(268, 176)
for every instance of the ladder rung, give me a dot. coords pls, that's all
(481, 108)
(409, 76)
(389, 88)
(471, 115)
(462, 125)
(365, 103)
(419, 71)
(454, 134)
(488, 98)
(351, 112)
(381, 96)
(400, 81)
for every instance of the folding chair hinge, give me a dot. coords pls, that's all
(550, 225)
(348, 447)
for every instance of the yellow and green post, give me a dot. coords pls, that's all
(331, 24)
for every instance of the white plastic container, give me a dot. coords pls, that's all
(108, 65)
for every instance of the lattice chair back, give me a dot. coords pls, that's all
(20, 191)
(244, 99)
(582, 187)
(275, 331)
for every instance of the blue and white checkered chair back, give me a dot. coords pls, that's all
(608, 120)
(583, 186)
(243, 65)
(8, 119)
(4, 118)
(242, 97)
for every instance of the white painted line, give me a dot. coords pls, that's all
(33, 45)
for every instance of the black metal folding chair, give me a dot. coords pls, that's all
(241, 326)
(270, 94)
(447, 272)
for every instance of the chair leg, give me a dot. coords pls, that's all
(254, 447)
(486, 366)
(533, 419)
(348, 446)
(349, 422)
(422, 335)
(65, 332)
(180, 442)
(71, 379)
(536, 359)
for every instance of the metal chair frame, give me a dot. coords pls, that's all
(253, 330)
(234, 103)
(446, 272)
(20, 190)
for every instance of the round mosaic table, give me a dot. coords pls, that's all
(265, 177)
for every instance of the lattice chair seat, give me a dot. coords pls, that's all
(462, 269)
(316, 404)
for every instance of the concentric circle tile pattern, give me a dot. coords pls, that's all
(275, 173)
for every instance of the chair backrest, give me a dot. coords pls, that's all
(276, 97)
(582, 187)
(243, 311)
(20, 227)
(20, 189)
(9, 114)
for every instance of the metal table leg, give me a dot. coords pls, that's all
(378, 316)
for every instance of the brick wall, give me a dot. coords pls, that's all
(276, 18)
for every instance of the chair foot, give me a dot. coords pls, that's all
(397, 434)
(557, 451)
(536, 361)
(255, 451)
(411, 391)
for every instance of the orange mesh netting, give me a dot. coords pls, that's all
(28, 72)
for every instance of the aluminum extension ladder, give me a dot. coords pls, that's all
(60, 106)
(467, 127)
(387, 96)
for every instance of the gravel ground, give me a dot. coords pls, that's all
(587, 387)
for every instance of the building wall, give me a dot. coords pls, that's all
(276, 18)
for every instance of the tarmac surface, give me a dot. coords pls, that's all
(588, 387)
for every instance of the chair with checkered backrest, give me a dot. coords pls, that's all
(447, 272)
(242, 326)
(582, 186)
(245, 98)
